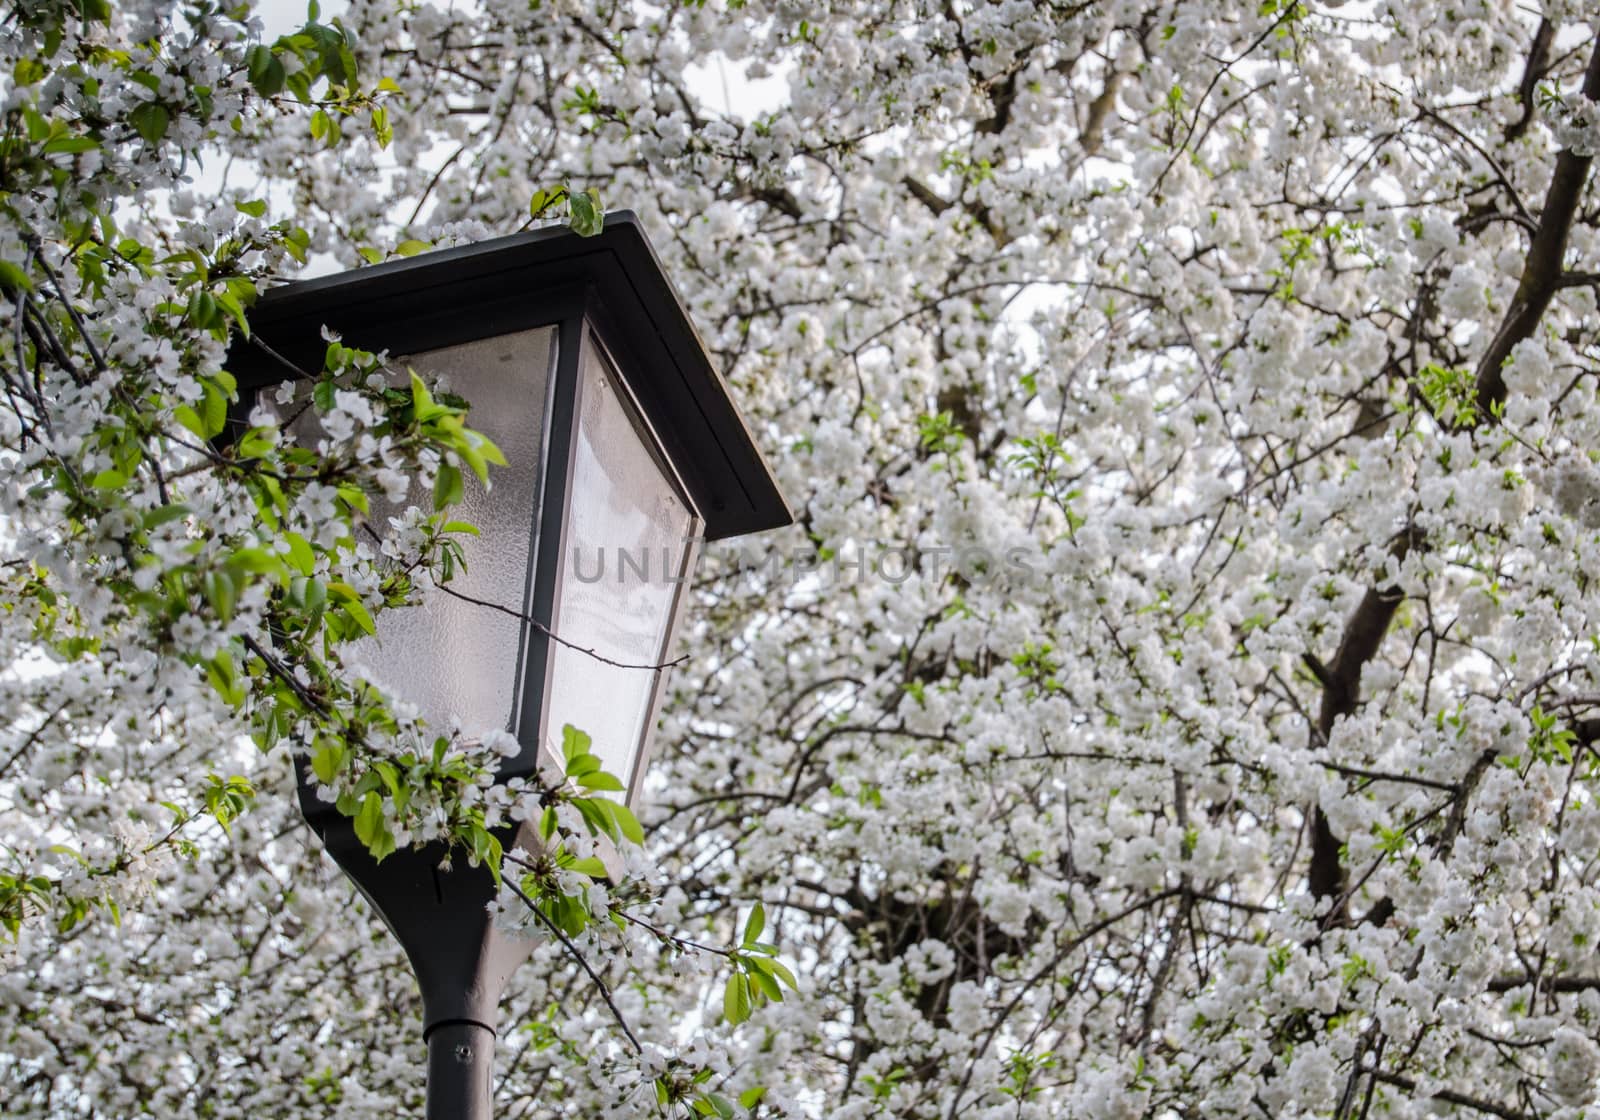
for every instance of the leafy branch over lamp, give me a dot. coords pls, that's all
(625, 450)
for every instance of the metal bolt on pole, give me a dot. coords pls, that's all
(460, 1071)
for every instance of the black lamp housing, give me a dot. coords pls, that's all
(605, 294)
(607, 301)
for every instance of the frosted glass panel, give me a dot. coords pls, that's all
(451, 658)
(628, 531)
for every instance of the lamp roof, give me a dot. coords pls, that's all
(507, 284)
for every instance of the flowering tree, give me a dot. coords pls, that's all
(1179, 697)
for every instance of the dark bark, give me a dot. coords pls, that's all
(1341, 693)
(1534, 69)
(1542, 271)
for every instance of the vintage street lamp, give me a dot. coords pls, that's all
(581, 363)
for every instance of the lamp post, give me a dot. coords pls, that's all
(581, 363)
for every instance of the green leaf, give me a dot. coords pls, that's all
(27, 71)
(752, 1096)
(108, 480)
(344, 72)
(489, 449)
(411, 247)
(228, 798)
(255, 208)
(718, 1104)
(369, 820)
(221, 593)
(736, 999)
(163, 514)
(781, 971)
(599, 781)
(213, 405)
(598, 820)
(626, 822)
(448, 487)
(757, 923)
(390, 777)
(587, 219)
(243, 289)
(764, 982)
(351, 602)
(574, 743)
(479, 451)
(190, 419)
(257, 60)
(354, 497)
(224, 677)
(311, 593)
(421, 399)
(300, 554)
(255, 560)
(70, 145)
(71, 853)
(229, 303)
(483, 845)
(150, 120)
(299, 84)
(257, 443)
(13, 278)
(272, 77)
(542, 200)
(363, 618)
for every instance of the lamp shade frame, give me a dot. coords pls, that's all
(579, 340)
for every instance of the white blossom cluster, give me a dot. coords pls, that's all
(1265, 784)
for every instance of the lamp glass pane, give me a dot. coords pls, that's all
(628, 533)
(457, 660)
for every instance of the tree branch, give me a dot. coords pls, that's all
(1532, 70)
(1341, 693)
(1541, 272)
(1450, 1096)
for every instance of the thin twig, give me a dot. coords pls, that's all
(1450, 1096)
(577, 955)
(72, 312)
(278, 669)
(552, 635)
(655, 930)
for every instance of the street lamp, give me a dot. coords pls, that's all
(581, 363)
